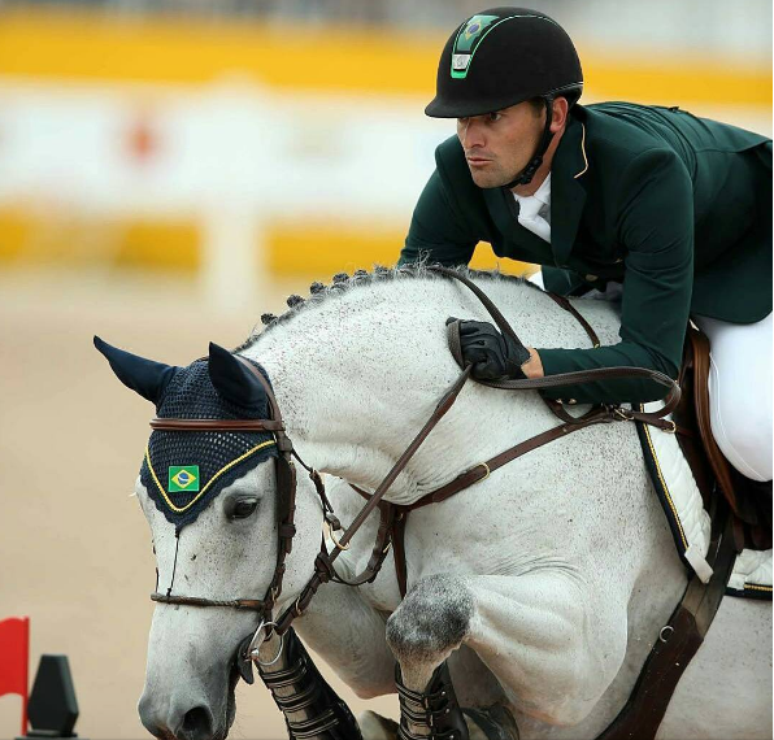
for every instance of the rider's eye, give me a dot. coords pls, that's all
(492, 117)
(243, 508)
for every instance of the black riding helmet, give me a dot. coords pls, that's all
(502, 57)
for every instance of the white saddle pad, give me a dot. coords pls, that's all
(689, 521)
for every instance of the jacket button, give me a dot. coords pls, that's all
(572, 402)
(591, 278)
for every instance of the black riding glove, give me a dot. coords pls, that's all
(493, 355)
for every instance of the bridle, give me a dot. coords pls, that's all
(286, 488)
(324, 570)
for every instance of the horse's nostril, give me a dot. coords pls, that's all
(197, 724)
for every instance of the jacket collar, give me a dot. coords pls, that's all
(568, 196)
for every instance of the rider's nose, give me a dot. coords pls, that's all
(472, 135)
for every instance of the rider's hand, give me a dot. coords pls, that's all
(493, 355)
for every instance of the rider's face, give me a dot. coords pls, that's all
(500, 145)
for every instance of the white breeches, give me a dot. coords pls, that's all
(740, 388)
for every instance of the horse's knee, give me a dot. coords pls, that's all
(432, 620)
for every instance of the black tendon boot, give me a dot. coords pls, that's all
(435, 713)
(312, 709)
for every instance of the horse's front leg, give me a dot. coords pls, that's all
(350, 635)
(538, 634)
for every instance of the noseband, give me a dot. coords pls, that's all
(286, 474)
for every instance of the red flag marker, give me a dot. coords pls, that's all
(14, 660)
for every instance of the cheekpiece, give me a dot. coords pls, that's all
(183, 471)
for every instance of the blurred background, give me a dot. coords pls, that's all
(171, 169)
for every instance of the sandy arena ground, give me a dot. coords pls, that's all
(75, 551)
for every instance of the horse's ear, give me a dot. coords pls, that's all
(233, 381)
(148, 378)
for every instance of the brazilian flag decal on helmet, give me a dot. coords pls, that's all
(470, 35)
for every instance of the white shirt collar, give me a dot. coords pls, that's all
(542, 194)
(535, 210)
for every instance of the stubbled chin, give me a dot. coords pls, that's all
(487, 179)
(488, 182)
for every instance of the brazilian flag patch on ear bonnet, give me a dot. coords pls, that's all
(183, 478)
(184, 471)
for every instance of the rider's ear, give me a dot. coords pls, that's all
(148, 378)
(233, 381)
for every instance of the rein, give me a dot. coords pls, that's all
(391, 515)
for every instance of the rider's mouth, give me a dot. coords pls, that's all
(477, 161)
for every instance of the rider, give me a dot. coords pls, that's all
(671, 211)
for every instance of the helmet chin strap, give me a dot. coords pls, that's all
(526, 175)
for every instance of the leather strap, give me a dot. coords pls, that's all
(399, 551)
(676, 645)
(717, 460)
(560, 300)
(562, 379)
(440, 411)
(216, 425)
(460, 483)
(483, 470)
(249, 604)
(379, 553)
(286, 487)
(324, 570)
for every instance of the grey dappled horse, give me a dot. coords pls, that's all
(544, 585)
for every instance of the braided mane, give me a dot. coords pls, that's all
(342, 283)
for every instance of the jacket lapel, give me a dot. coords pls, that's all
(567, 194)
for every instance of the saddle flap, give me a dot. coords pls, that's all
(706, 459)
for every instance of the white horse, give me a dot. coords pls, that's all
(545, 585)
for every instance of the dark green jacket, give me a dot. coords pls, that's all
(676, 207)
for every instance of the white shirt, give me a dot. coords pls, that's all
(535, 210)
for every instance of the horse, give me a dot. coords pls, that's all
(541, 589)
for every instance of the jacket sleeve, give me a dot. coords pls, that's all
(438, 229)
(655, 228)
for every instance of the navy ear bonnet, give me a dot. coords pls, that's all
(184, 471)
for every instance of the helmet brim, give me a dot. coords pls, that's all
(440, 108)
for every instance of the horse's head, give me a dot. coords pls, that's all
(211, 499)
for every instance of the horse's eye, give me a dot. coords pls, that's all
(244, 508)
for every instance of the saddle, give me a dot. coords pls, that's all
(750, 503)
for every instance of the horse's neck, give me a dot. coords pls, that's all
(357, 376)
